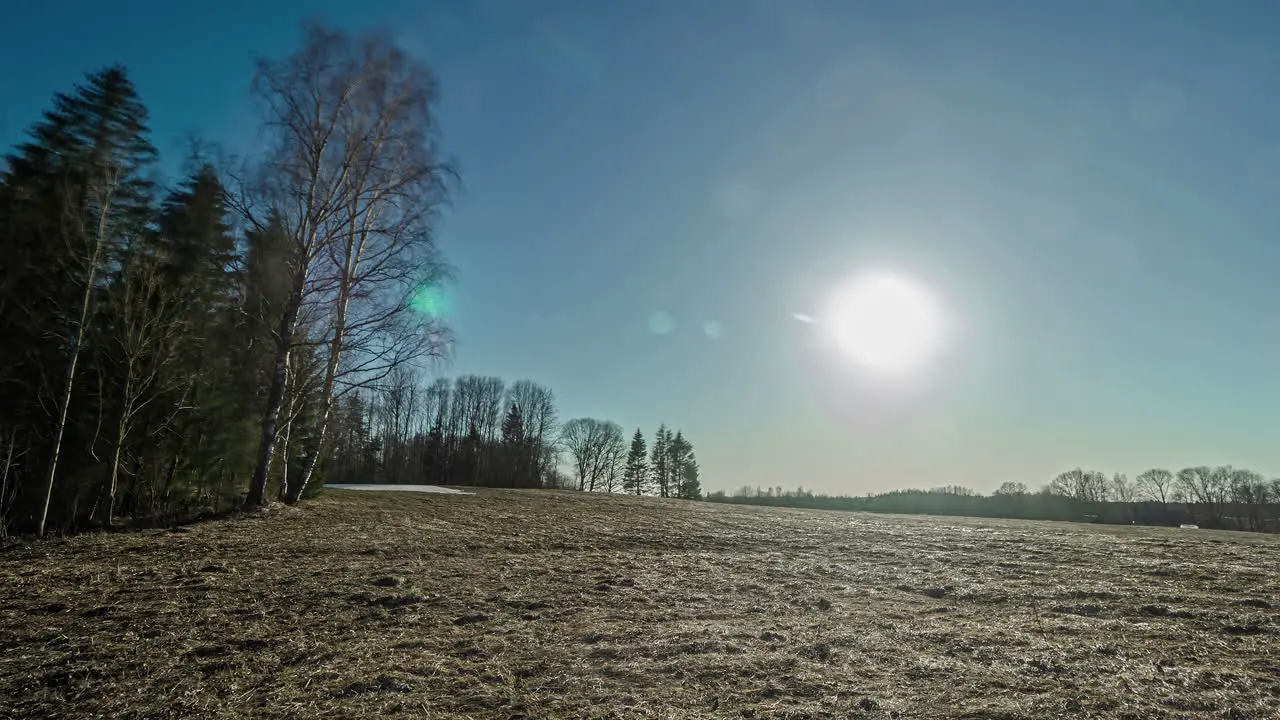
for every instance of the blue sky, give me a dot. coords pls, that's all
(1093, 188)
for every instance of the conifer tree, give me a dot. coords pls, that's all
(514, 448)
(77, 196)
(690, 484)
(658, 462)
(635, 478)
(677, 449)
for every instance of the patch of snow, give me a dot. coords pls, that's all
(402, 488)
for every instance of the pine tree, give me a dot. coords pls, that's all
(658, 461)
(635, 477)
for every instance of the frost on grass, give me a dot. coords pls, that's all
(560, 605)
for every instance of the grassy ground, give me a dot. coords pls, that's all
(555, 605)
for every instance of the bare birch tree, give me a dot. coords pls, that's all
(143, 336)
(355, 177)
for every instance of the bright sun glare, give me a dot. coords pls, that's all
(889, 324)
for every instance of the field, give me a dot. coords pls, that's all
(559, 605)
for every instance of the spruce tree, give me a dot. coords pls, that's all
(677, 449)
(201, 273)
(513, 427)
(635, 475)
(514, 448)
(658, 461)
(690, 484)
(76, 197)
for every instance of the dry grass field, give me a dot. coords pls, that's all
(558, 605)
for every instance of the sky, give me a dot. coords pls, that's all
(651, 190)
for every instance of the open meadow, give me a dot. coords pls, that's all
(509, 604)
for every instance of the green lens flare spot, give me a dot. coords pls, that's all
(430, 300)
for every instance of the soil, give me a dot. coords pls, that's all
(564, 605)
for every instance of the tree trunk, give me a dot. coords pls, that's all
(257, 496)
(322, 427)
(330, 378)
(107, 502)
(284, 448)
(64, 402)
(4, 483)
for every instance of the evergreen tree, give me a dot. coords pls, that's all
(75, 197)
(436, 450)
(513, 427)
(677, 451)
(690, 484)
(469, 455)
(658, 462)
(200, 271)
(635, 477)
(515, 448)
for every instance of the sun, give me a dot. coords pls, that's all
(888, 323)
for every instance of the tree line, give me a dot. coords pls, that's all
(1221, 497)
(477, 430)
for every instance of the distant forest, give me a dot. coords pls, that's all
(478, 431)
(1220, 497)
(172, 352)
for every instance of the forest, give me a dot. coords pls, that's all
(478, 431)
(1221, 497)
(261, 325)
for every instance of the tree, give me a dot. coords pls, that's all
(593, 444)
(143, 335)
(678, 452)
(690, 484)
(1250, 491)
(1011, 489)
(635, 476)
(354, 179)
(77, 196)
(1205, 486)
(614, 463)
(515, 445)
(538, 406)
(1155, 484)
(659, 462)
(1087, 486)
(1122, 490)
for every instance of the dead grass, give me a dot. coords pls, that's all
(554, 605)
